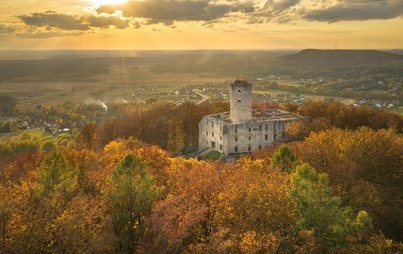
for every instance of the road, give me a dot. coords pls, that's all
(204, 96)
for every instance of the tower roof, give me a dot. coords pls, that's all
(240, 82)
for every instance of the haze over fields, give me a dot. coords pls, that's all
(54, 77)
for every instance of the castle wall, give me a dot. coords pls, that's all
(211, 134)
(254, 135)
(237, 138)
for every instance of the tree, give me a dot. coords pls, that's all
(364, 167)
(88, 135)
(7, 104)
(55, 174)
(175, 223)
(320, 210)
(284, 159)
(254, 210)
(84, 227)
(130, 194)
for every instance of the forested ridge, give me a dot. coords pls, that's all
(115, 187)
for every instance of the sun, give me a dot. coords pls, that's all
(105, 2)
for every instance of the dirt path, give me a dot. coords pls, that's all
(204, 96)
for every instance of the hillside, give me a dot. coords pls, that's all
(316, 57)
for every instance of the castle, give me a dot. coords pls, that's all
(242, 130)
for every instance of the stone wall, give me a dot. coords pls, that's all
(240, 101)
(236, 138)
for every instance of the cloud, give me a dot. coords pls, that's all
(56, 20)
(6, 29)
(107, 21)
(279, 6)
(137, 13)
(167, 12)
(349, 10)
(51, 19)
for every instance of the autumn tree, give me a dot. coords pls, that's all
(174, 224)
(85, 226)
(88, 136)
(364, 167)
(201, 181)
(254, 212)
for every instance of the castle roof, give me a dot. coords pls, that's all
(260, 115)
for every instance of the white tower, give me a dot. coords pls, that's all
(240, 101)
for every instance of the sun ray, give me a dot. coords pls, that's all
(105, 2)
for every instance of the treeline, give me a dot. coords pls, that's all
(367, 88)
(326, 114)
(164, 124)
(173, 127)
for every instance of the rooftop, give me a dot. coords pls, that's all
(261, 115)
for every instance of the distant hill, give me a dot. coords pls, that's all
(316, 57)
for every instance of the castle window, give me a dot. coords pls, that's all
(274, 127)
(239, 91)
(212, 124)
(265, 137)
(212, 144)
(220, 147)
(250, 138)
(236, 130)
(274, 136)
(236, 139)
(206, 133)
(249, 148)
(236, 149)
(212, 134)
(220, 137)
(260, 127)
(250, 129)
(260, 147)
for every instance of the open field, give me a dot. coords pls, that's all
(398, 110)
(114, 87)
(78, 77)
(133, 86)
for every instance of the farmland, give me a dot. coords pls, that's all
(53, 78)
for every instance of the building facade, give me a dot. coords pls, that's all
(242, 130)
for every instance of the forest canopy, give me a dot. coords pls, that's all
(115, 186)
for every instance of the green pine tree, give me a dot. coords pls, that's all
(320, 210)
(284, 159)
(131, 192)
(55, 174)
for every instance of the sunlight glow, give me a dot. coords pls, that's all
(105, 2)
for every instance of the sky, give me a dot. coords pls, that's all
(200, 24)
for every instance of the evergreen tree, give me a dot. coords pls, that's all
(284, 159)
(55, 174)
(320, 210)
(130, 193)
